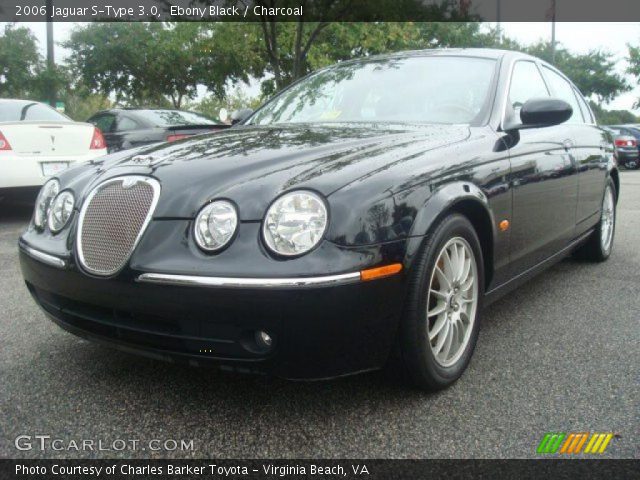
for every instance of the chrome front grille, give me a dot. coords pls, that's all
(112, 220)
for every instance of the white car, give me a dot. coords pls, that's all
(36, 142)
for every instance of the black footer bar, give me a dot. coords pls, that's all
(321, 469)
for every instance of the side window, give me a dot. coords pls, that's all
(526, 83)
(104, 122)
(125, 123)
(584, 108)
(564, 91)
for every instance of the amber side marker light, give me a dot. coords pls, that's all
(380, 272)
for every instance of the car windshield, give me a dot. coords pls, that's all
(427, 89)
(171, 118)
(11, 111)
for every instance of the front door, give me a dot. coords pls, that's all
(543, 179)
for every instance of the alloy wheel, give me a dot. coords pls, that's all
(452, 301)
(607, 220)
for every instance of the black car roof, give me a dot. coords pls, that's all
(491, 53)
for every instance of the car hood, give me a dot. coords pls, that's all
(253, 165)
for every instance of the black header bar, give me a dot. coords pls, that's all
(321, 10)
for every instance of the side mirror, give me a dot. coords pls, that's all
(240, 115)
(541, 112)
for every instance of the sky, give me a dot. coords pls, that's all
(577, 37)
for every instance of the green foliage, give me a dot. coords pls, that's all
(80, 104)
(229, 53)
(162, 64)
(634, 61)
(148, 63)
(287, 46)
(613, 117)
(211, 105)
(634, 65)
(20, 62)
(283, 52)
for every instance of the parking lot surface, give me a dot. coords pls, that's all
(560, 354)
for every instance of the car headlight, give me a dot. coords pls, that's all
(215, 225)
(295, 223)
(47, 193)
(60, 211)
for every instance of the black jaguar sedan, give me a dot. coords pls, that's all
(368, 212)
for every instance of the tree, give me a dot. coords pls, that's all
(290, 50)
(613, 117)
(147, 63)
(634, 65)
(593, 72)
(20, 62)
(234, 100)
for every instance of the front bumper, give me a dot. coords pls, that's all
(321, 326)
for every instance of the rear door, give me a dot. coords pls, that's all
(589, 151)
(544, 180)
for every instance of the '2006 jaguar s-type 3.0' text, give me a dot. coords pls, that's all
(367, 212)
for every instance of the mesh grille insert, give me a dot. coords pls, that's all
(112, 221)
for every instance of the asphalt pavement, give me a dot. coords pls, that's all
(560, 354)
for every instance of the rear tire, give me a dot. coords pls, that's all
(441, 320)
(600, 243)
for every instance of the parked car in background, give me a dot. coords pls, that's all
(125, 128)
(37, 141)
(625, 139)
(368, 211)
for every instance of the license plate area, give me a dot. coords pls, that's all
(53, 168)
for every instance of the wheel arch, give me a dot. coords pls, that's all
(468, 200)
(615, 176)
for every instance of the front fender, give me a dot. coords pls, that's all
(462, 196)
(409, 214)
(442, 200)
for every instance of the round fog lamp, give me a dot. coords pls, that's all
(263, 339)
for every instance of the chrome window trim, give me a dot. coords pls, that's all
(231, 282)
(47, 258)
(155, 185)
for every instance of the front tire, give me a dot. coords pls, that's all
(441, 320)
(599, 245)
